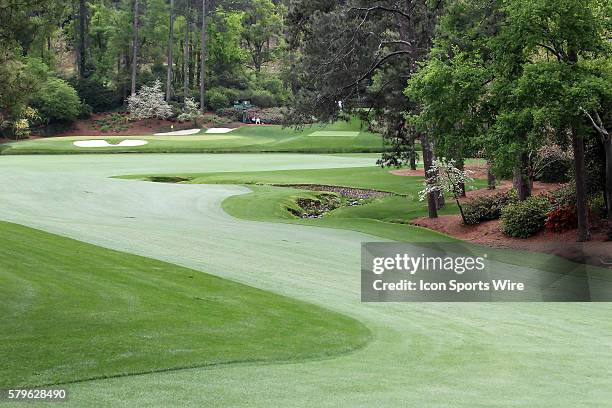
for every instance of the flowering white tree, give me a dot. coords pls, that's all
(191, 111)
(149, 102)
(443, 177)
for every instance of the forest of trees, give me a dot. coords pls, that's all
(513, 81)
(61, 60)
(500, 80)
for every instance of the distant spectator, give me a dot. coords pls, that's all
(258, 121)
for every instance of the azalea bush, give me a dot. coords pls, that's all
(488, 207)
(525, 218)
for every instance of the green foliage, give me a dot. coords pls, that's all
(216, 99)
(525, 218)
(487, 207)
(262, 98)
(56, 100)
(597, 204)
(565, 195)
(262, 25)
(225, 57)
(96, 94)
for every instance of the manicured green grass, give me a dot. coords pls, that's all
(244, 139)
(385, 217)
(72, 311)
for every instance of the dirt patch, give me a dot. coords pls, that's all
(488, 233)
(505, 185)
(316, 208)
(357, 193)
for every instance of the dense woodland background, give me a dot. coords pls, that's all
(525, 84)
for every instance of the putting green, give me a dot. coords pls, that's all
(332, 139)
(425, 355)
(332, 133)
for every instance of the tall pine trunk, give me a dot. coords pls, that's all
(170, 60)
(186, 58)
(608, 186)
(82, 39)
(584, 233)
(135, 49)
(203, 60)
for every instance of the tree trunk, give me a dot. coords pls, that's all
(584, 233)
(432, 202)
(186, 61)
(203, 59)
(490, 177)
(170, 46)
(608, 186)
(135, 49)
(82, 39)
(521, 177)
(413, 153)
(461, 166)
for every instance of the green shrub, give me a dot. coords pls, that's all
(597, 205)
(233, 114)
(96, 94)
(56, 100)
(525, 218)
(489, 207)
(218, 98)
(85, 111)
(263, 98)
(565, 195)
(215, 120)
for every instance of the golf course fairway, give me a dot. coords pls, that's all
(419, 355)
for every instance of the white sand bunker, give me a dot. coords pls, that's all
(104, 143)
(179, 132)
(219, 130)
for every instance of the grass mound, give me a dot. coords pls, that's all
(72, 311)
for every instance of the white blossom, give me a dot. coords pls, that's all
(443, 177)
(149, 103)
(191, 111)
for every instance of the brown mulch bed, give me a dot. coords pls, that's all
(477, 171)
(489, 234)
(350, 192)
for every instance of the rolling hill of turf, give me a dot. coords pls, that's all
(72, 311)
(339, 137)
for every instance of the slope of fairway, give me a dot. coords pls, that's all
(265, 138)
(426, 355)
(72, 311)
